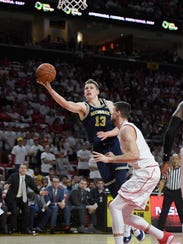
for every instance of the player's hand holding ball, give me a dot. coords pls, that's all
(45, 74)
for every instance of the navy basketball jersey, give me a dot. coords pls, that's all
(98, 119)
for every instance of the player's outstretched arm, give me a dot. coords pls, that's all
(79, 107)
(179, 111)
(173, 126)
(165, 167)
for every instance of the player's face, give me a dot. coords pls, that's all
(90, 91)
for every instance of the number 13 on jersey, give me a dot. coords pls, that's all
(100, 121)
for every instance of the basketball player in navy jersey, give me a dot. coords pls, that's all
(95, 114)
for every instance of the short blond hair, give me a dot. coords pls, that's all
(91, 81)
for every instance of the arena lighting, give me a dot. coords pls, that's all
(13, 2)
(43, 6)
(170, 26)
(120, 18)
(72, 11)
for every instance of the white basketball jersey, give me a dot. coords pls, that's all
(146, 157)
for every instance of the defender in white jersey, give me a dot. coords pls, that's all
(135, 192)
(146, 172)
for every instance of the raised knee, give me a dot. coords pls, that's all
(111, 205)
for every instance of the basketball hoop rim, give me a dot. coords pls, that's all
(72, 4)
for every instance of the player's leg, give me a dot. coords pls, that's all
(116, 209)
(108, 178)
(120, 172)
(121, 214)
(142, 224)
(107, 171)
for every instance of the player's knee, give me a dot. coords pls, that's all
(111, 206)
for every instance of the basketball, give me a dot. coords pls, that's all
(45, 72)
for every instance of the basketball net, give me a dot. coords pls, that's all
(72, 6)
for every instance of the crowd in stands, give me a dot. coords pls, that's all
(152, 9)
(28, 111)
(52, 203)
(148, 53)
(54, 140)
